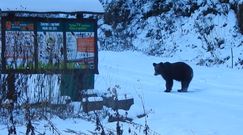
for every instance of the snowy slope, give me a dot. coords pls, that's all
(175, 28)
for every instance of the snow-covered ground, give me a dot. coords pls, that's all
(213, 105)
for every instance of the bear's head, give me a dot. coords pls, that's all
(158, 68)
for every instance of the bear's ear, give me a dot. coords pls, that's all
(161, 64)
(154, 64)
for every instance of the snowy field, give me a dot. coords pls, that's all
(213, 105)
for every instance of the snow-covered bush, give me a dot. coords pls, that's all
(208, 30)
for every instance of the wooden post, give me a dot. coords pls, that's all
(11, 93)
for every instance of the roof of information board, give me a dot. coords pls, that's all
(65, 6)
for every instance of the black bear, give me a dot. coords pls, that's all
(179, 71)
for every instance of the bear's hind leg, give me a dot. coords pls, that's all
(168, 85)
(184, 86)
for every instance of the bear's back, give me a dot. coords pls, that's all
(181, 71)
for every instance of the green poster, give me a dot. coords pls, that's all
(80, 27)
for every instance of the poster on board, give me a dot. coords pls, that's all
(50, 45)
(80, 42)
(19, 45)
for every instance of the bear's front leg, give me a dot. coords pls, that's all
(168, 85)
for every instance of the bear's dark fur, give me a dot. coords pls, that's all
(179, 71)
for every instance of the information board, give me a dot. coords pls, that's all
(39, 45)
(80, 39)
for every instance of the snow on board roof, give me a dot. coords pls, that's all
(67, 6)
